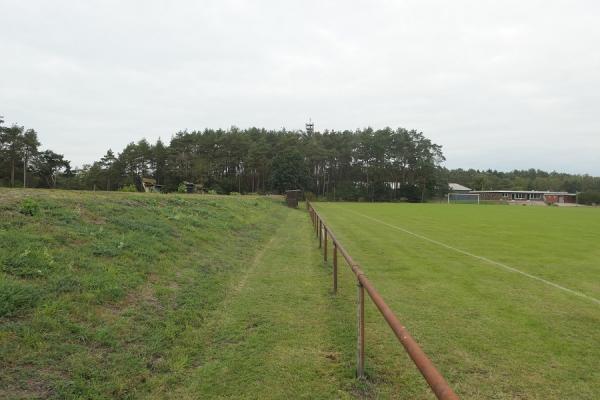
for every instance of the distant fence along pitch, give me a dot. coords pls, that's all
(436, 381)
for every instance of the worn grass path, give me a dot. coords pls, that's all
(276, 335)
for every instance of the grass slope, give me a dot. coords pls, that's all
(151, 296)
(493, 333)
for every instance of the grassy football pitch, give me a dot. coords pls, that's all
(504, 299)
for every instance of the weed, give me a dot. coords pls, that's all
(29, 207)
(15, 297)
(29, 263)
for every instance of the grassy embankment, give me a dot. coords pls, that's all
(164, 296)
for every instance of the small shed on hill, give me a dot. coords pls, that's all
(149, 184)
(145, 184)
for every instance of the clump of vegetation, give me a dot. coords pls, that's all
(28, 263)
(29, 207)
(128, 188)
(181, 188)
(235, 194)
(212, 191)
(16, 296)
(111, 249)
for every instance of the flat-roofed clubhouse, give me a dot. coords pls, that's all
(527, 196)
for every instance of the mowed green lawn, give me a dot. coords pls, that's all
(492, 331)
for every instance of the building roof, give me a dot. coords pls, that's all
(458, 186)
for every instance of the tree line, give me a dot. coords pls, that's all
(363, 165)
(23, 163)
(366, 164)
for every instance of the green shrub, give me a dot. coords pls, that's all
(15, 296)
(589, 198)
(128, 188)
(216, 189)
(181, 188)
(29, 207)
(28, 263)
(234, 194)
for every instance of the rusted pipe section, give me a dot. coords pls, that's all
(341, 249)
(334, 240)
(434, 379)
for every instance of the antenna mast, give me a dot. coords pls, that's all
(310, 127)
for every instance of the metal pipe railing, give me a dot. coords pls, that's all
(436, 381)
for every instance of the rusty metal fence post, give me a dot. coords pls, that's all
(325, 244)
(316, 224)
(320, 233)
(335, 268)
(360, 337)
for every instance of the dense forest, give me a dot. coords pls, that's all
(366, 165)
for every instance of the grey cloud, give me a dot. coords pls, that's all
(510, 84)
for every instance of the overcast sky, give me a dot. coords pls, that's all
(499, 84)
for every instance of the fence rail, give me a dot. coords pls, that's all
(436, 381)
